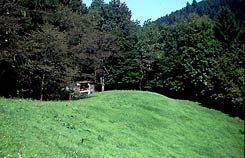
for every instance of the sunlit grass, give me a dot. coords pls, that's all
(117, 124)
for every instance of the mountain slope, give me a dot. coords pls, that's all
(206, 7)
(117, 124)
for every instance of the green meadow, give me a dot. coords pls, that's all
(117, 124)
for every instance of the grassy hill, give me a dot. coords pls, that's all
(117, 124)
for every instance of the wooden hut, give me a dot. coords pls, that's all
(80, 88)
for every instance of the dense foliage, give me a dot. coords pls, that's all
(47, 44)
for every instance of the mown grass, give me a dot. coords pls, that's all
(118, 124)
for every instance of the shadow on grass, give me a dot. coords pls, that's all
(232, 111)
(82, 97)
(1, 109)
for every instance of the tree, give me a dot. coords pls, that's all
(114, 18)
(123, 63)
(99, 48)
(10, 30)
(189, 51)
(96, 13)
(230, 69)
(39, 12)
(194, 3)
(188, 7)
(118, 15)
(47, 64)
(78, 6)
(197, 66)
(148, 48)
(225, 28)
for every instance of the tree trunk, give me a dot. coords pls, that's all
(141, 81)
(42, 86)
(102, 82)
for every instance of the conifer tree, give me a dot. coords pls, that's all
(225, 28)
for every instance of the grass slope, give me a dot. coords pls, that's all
(117, 124)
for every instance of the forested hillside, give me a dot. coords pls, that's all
(206, 7)
(47, 44)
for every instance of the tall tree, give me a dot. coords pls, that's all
(230, 69)
(148, 47)
(78, 6)
(189, 51)
(46, 65)
(194, 3)
(225, 28)
(9, 23)
(96, 13)
(99, 48)
(10, 30)
(39, 12)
